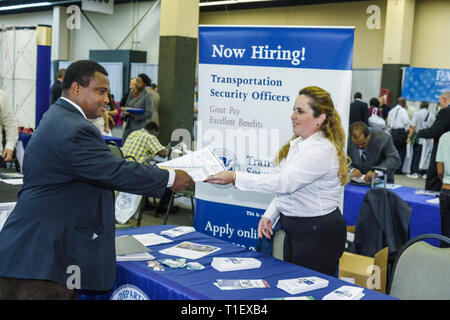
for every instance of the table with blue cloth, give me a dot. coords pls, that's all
(115, 139)
(25, 138)
(137, 280)
(425, 216)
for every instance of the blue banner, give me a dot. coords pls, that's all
(288, 47)
(249, 78)
(423, 84)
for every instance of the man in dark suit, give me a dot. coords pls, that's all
(368, 148)
(359, 111)
(60, 235)
(56, 89)
(439, 127)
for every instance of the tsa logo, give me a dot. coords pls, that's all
(129, 292)
(229, 161)
(228, 158)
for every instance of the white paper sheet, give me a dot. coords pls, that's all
(199, 164)
(150, 239)
(190, 250)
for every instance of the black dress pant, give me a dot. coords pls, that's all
(316, 243)
(29, 289)
(444, 206)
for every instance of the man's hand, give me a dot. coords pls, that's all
(356, 173)
(182, 181)
(7, 155)
(265, 228)
(370, 175)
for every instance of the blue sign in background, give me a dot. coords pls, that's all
(314, 48)
(422, 84)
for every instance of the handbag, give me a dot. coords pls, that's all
(376, 121)
(126, 206)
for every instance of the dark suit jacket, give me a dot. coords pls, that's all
(64, 215)
(379, 152)
(55, 91)
(359, 111)
(440, 126)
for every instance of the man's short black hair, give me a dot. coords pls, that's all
(145, 79)
(357, 95)
(151, 126)
(81, 72)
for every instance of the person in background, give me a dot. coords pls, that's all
(56, 89)
(370, 147)
(8, 122)
(443, 171)
(143, 144)
(156, 99)
(124, 99)
(138, 99)
(383, 107)
(375, 115)
(422, 119)
(439, 127)
(312, 171)
(111, 108)
(398, 124)
(359, 110)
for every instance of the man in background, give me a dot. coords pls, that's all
(443, 170)
(439, 127)
(9, 123)
(359, 111)
(56, 89)
(368, 148)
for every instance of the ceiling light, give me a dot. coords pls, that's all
(25, 6)
(220, 3)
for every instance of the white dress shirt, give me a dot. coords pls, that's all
(8, 122)
(171, 172)
(398, 118)
(306, 184)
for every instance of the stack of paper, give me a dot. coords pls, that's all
(345, 293)
(128, 245)
(142, 256)
(199, 164)
(190, 250)
(227, 284)
(151, 239)
(178, 231)
(232, 264)
(299, 285)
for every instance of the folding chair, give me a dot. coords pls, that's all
(421, 271)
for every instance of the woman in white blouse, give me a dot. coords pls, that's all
(313, 169)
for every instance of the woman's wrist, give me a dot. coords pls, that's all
(234, 178)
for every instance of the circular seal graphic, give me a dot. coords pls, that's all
(229, 160)
(129, 292)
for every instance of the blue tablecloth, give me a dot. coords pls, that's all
(25, 138)
(135, 279)
(117, 140)
(425, 217)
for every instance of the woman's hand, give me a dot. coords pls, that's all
(222, 178)
(265, 228)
